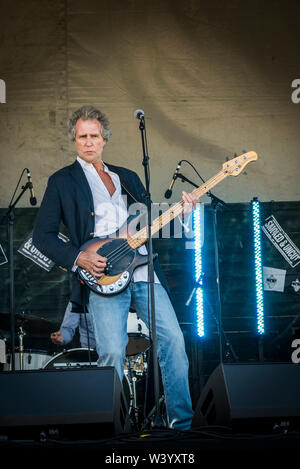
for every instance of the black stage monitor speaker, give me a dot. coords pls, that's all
(252, 397)
(77, 404)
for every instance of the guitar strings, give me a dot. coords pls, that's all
(125, 247)
(119, 252)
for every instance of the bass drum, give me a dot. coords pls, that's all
(73, 358)
(81, 358)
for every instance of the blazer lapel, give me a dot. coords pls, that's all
(81, 182)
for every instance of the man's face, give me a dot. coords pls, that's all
(89, 141)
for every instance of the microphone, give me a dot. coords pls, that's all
(139, 114)
(32, 197)
(168, 192)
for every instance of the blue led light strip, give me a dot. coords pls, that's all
(258, 266)
(198, 233)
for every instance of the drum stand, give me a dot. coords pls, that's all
(132, 377)
(9, 216)
(21, 334)
(132, 395)
(149, 417)
(135, 409)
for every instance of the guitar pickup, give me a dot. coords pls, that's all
(108, 268)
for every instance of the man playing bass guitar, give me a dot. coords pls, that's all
(87, 197)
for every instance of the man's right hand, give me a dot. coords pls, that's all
(92, 262)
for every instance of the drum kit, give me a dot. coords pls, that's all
(135, 365)
(26, 324)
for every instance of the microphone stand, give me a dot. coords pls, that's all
(157, 419)
(9, 216)
(215, 202)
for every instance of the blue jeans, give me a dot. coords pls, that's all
(109, 319)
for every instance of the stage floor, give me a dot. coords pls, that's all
(168, 446)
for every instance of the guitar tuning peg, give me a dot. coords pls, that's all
(244, 172)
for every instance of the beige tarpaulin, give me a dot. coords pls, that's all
(213, 77)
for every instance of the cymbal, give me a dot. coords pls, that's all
(31, 324)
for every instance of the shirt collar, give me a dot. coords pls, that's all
(86, 165)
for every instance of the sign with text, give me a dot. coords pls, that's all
(29, 250)
(281, 241)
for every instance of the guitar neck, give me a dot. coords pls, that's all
(141, 236)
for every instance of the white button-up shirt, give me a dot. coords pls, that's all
(110, 211)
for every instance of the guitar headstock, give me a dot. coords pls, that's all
(235, 166)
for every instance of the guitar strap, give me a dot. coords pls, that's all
(129, 193)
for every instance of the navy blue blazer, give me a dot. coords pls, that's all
(68, 199)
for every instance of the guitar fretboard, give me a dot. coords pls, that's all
(141, 236)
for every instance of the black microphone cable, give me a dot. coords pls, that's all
(187, 161)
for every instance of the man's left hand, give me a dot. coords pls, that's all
(190, 201)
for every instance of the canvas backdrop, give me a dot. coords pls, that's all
(213, 77)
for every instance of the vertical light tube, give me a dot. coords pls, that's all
(258, 266)
(198, 224)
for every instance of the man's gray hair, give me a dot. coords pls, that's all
(88, 113)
